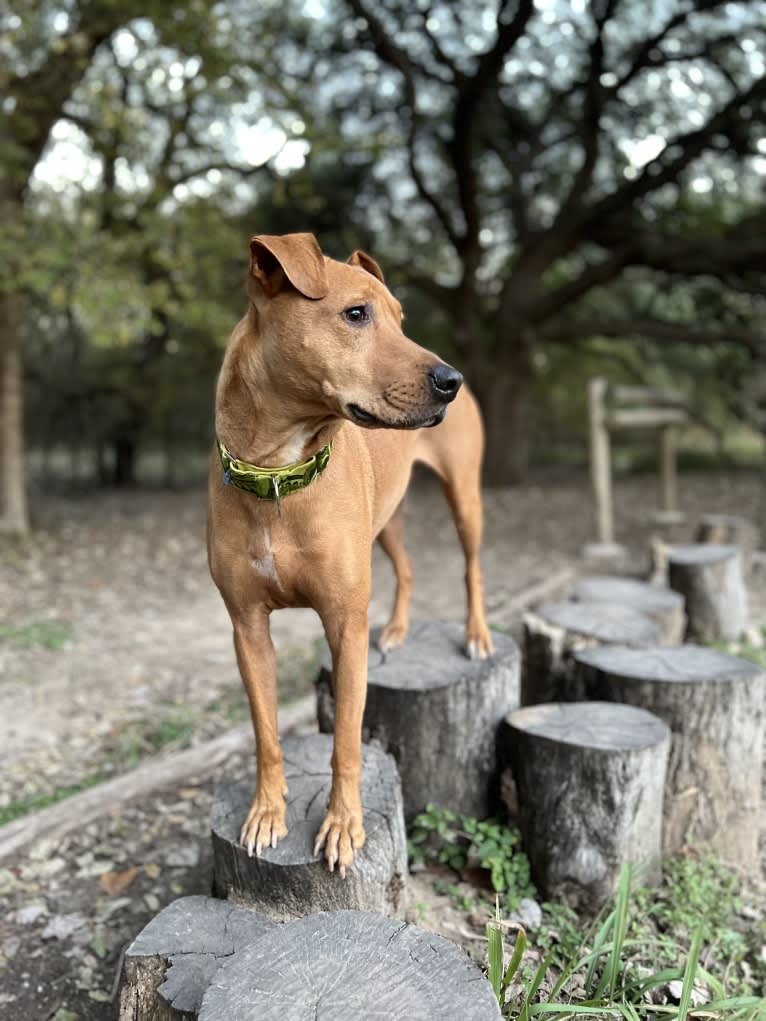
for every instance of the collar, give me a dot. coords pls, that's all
(272, 483)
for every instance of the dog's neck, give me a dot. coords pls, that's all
(259, 427)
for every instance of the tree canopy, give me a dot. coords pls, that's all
(552, 185)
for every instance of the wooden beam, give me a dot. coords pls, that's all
(646, 418)
(159, 771)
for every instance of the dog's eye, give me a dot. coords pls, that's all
(357, 315)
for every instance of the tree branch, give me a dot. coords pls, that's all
(655, 329)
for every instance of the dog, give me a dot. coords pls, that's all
(322, 407)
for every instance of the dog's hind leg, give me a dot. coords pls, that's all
(464, 496)
(391, 538)
(265, 822)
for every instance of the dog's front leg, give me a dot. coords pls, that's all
(265, 822)
(342, 831)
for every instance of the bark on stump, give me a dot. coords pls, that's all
(730, 530)
(438, 713)
(714, 705)
(662, 605)
(709, 577)
(589, 777)
(556, 631)
(172, 961)
(289, 881)
(348, 966)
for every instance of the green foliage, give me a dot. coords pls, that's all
(612, 969)
(490, 846)
(36, 802)
(46, 634)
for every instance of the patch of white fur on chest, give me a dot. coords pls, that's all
(265, 565)
(293, 449)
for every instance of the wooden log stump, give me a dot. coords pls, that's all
(437, 712)
(172, 961)
(349, 966)
(555, 631)
(730, 530)
(709, 577)
(289, 881)
(714, 705)
(589, 777)
(661, 605)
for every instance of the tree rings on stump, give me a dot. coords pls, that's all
(349, 966)
(290, 880)
(662, 605)
(172, 961)
(714, 705)
(709, 577)
(437, 712)
(555, 631)
(590, 778)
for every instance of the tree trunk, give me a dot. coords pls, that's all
(503, 385)
(125, 450)
(14, 517)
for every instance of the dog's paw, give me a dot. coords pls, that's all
(264, 825)
(340, 835)
(478, 643)
(392, 635)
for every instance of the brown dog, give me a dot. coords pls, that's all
(320, 358)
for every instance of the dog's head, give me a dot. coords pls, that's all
(332, 336)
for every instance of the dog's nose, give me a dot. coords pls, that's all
(445, 381)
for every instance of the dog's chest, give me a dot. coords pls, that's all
(263, 559)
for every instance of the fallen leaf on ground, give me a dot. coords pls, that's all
(113, 883)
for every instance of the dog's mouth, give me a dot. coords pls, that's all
(370, 421)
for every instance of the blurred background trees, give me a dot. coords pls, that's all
(554, 188)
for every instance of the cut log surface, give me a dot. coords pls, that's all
(589, 778)
(349, 966)
(554, 632)
(731, 530)
(661, 605)
(289, 881)
(714, 704)
(169, 966)
(437, 712)
(709, 577)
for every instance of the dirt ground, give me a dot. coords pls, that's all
(117, 585)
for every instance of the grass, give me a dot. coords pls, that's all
(45, 634)
(36, 802)
(615, 968)
(696, 930)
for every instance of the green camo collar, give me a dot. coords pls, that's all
(272, 483)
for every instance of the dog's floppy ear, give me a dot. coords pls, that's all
(295, 257)
(360, 258)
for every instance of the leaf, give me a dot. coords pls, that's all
(113, 883)
(495, 958)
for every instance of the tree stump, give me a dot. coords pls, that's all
(589, 777)
(662, 605)
(714, 705)
(709, 577)
(730, 530)
(289, 881)
(437, 712)
(554, 632)
(349, 966)
(172, 961)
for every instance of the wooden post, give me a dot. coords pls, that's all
(600, 467)
(714, 705)
(437, 713)
(290, 880)
(590, 777)
(667, 464)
